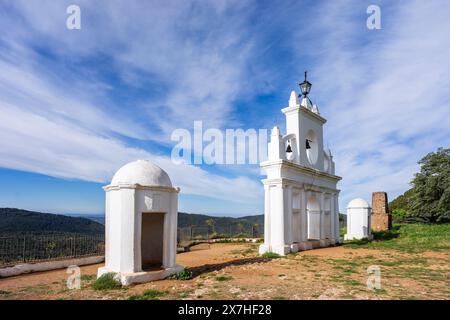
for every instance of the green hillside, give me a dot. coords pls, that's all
(222, 225)
(14, 221)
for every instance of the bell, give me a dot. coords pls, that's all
(289, 149)
(307, 144)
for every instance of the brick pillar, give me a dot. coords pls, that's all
(381, 219)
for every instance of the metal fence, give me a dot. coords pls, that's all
(229, 231)
(25, 248)
(16, 249)
(34, 248)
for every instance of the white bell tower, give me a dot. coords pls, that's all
(303, 121)
(301, 209)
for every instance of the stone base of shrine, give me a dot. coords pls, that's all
(298, 246)
(127, 278)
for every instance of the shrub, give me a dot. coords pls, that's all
(107, 281)
(271, 255)
(183, 275)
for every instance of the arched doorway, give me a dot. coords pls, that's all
(152, 239)
(313, 214)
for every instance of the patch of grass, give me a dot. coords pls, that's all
(384, 263)
(184, 294)
(387, 234)
(107, 282)
(271, 255)
(149, 295)
(349, 271)
(38, 288)
(309, 260)
(279, 298)
(5, 293)
(87, 277)
(335, 278)
(420, 273)
(380, 291)
(249, 251)
(183, 275)
(223, 278)
(352, 282)
(411, 238)
(347, 263)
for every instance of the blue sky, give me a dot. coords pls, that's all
(75, 105)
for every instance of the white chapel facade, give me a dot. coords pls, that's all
(301, 208)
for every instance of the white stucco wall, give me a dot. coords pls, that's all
(48, 265)
(358, 220)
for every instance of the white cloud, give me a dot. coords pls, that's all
(384, 92)
(190, 47)
(58, 120)
(33, 143)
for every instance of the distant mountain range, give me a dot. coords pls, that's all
(13, 221)
(223, 225)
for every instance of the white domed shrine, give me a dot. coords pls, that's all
(142, 172)
(358, 220)
(141, 224)
(358, 203)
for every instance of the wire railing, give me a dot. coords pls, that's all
(30, 248)
(219, 232)
(26, 248)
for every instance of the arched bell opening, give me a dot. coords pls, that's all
(290, 143)
(311, 147)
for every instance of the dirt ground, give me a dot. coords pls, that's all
(235, 271)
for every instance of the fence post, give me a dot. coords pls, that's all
(71, 246)
(23, 249)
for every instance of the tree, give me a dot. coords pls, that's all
(400, 206)
(211, 223)
(399, 215)
(402, 201)
(430, 199)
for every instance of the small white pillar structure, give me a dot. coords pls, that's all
(141, 224)
(301, 208)
(358, 220)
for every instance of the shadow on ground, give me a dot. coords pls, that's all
(197, 271)
(388, 234)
